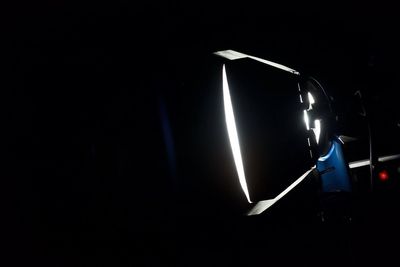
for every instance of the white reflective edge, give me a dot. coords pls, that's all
(359, 163)
(340, 139)
(233, 55)
(346, 139)
(265, 204)
(233, 135)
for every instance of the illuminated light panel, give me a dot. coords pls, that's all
(233, 135)
(311, 99)
(306, 120)
(317, 129)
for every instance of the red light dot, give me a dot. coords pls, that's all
(383, 175)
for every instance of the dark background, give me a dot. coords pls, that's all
(86, 175)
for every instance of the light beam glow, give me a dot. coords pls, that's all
(233, 135)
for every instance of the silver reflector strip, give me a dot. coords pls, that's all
(233, 55)
(265, 204)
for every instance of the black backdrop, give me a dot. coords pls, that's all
(85, 173)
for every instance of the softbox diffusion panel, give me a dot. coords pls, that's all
(270, 124)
